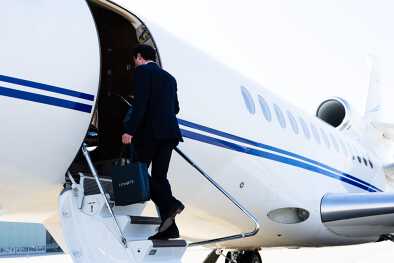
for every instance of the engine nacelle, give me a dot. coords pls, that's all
(338, 113)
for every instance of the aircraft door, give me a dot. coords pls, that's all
(49, 79)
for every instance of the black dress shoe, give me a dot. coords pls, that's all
(171, 232)
(168, 220)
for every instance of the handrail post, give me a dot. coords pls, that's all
(94, 173)
(232, 199)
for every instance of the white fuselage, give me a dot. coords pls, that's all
(266, 163)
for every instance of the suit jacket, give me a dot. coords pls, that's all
(155, 106)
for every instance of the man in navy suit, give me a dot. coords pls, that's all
(153, 128)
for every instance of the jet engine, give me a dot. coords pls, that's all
(338, 113)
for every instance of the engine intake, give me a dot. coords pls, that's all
(336, 112)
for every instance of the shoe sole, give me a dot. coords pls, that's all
(170, 220)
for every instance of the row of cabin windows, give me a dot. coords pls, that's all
(363, 160)
(328, 140)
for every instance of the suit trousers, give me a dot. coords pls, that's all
(158, 154)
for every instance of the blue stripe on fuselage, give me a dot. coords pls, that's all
(346, 177)
(273, 157)
(23, 95)
(188, 134)
(46, 87)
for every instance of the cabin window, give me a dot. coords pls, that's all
(293, 122)
(248, 100)
(343, 147)
(370, 164)
(315, 133)
(354, 149)
(325, 138)
(334, 142)
(305, 128)
(265, 108)
(350, 149)
(280, 116)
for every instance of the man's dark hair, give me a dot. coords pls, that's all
(147, 52)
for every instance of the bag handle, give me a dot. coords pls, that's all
(123, 151)
(123, 156)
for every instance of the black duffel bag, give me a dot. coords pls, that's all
(130, 181)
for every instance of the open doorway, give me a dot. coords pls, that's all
(119, 32)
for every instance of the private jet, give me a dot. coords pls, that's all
(254, 171)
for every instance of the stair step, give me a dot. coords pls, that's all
(169, 243)
(90, 185)
(145, 220)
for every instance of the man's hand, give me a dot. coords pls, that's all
(126, 138)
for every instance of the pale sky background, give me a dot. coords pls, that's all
(304, 51)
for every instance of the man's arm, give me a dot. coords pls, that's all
(176, 99)
(142, 94)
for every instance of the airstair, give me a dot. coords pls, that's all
(97, 231)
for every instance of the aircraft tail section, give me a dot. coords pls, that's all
(373, 107)
(380, 121)
(376, 112)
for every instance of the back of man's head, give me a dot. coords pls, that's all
(146, 52)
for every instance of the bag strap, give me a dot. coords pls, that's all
(123, 159)
(124, 150)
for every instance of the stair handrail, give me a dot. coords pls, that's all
(94, 173)
(231, 198)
